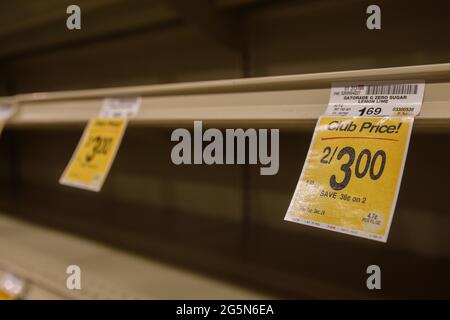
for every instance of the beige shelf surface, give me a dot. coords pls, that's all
(41, 256)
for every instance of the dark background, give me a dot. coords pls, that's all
(135, 42)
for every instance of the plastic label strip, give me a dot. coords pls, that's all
(376, 98)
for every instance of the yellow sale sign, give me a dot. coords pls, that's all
(95, 154)
(352, 174)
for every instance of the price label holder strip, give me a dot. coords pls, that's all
(351, 177)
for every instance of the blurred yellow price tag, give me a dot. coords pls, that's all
(5, 296)
(352, 174)
(95, 154)
(12, 287)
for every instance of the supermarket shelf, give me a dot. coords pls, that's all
(300, 98)
(41, 256)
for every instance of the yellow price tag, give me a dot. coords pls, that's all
(352, 174)
(95, 154)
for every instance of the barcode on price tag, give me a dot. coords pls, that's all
(399, 89)
(123, 107)
(376, 98)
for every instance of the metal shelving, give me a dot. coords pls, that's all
(41, 256)
(300, 98)
(294, 101)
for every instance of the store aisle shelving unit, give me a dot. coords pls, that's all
(172, 213)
